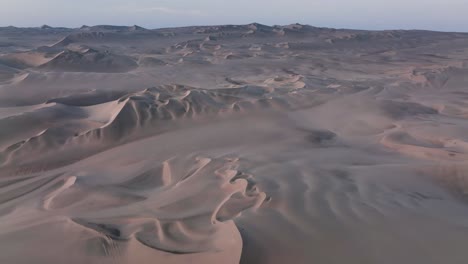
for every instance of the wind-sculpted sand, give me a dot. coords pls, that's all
(233, 144)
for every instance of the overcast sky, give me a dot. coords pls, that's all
(446, 15)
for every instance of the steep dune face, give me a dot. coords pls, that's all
(25, 59)
(79, 37)
(6, 73)
(160, 104)
(87, 33)
(233, 144)
(104, 34)
(182, 223)
(114, 121)
(162, 211)
(89, 61)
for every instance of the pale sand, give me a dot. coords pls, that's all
(233, 144)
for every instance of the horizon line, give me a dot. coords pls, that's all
(229, 24)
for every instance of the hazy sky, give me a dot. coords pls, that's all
(448, 15)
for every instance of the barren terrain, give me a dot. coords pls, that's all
(233, 144)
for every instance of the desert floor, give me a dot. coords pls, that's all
(233, 144)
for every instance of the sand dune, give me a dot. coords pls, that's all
(95, 119)
(89, 60)
(25, 59)
(7, 73)
(233, 144)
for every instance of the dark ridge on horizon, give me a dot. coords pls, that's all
(110, 27)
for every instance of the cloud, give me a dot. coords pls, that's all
(162, 9)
